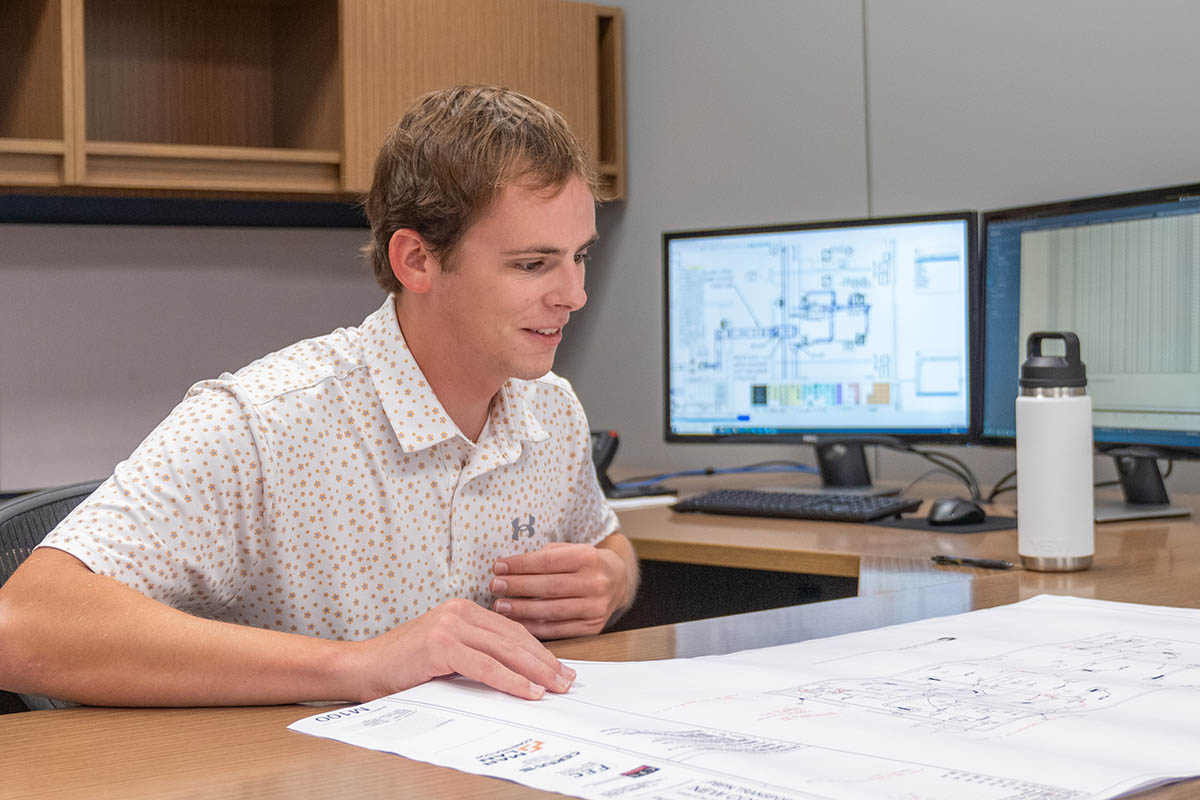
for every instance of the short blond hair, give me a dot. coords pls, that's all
(449, 157)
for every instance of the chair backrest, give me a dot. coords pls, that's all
(24, 522)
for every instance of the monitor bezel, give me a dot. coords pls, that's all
(974, 361)
(1079, 205)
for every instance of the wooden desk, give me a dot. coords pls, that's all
(248, 753)
(882, 558)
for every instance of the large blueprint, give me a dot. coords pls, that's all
(1047, 699)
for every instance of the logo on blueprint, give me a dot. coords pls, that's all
(520, 527)
(519, 750)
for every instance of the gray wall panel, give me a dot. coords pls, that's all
(103, 329)
(738, 113)
(983, 105)
(990, 104)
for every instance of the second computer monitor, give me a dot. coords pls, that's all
(1123, 273)
(826, 333)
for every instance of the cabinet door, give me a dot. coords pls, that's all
(395, 50)
(34, 96)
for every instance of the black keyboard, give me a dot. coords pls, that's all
(797, 505)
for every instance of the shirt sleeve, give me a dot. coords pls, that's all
(182, 519)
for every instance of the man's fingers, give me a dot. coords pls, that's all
(511, 643)
(551, 610)
(553, 585)
(521, 662)
(566, 558)
(479, 666)
(564, 629)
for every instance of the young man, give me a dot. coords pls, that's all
(361, 512)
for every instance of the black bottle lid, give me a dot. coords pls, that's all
(1042, 371)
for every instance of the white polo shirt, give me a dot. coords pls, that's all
(323, 490)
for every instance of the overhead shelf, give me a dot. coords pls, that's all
(32, 162)
(178, 166)
(278, 96)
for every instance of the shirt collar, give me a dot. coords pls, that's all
(512, 417)
(414, 411)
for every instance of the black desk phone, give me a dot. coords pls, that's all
(604, 449)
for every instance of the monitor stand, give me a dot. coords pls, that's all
(1143, 487)
(843, 467)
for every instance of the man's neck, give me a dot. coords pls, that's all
(464, 397)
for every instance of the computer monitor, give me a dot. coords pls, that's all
(831, 334)
(1123, 273)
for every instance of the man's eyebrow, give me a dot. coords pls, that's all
(549, 250)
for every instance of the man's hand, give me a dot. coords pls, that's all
(459, 636)
(567, 589)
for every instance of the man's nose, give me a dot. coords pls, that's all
(569, 292)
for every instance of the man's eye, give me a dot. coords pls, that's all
(582, 258)
(530, 266)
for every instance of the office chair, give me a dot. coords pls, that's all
(24, 522)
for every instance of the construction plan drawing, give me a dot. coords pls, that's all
(855, 327)
(1051, 698)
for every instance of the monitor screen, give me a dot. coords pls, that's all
(1123, 273)
(780, 333)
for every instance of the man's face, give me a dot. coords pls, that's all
(516, 277)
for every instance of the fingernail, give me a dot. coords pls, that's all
(500, 568)
(562, 682)
(499, 586)
(536, 691)
(503, 607)
(565, 670)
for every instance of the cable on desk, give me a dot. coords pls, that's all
(761, 466)
(954, 466)
(925, 475)
(951, 464)
(944, 461)
(1000, 487)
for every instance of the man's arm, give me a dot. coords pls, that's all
(567, 589)
(69, 633)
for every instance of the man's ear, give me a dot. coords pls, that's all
(413, 264)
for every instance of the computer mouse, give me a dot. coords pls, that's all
(954, 511)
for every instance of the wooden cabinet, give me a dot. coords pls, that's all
(566, 54)
(34, 113)
(281, 96)
(210, 95)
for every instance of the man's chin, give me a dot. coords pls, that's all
(532, 370)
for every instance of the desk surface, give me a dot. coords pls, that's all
(882, 558)
(248, 753)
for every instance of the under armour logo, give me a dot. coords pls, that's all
(519, 528)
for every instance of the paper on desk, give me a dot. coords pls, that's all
(646, 501)
(1048, 699)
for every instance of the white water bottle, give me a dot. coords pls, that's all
(1055, 528)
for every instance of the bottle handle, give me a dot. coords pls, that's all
(1033, 345)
